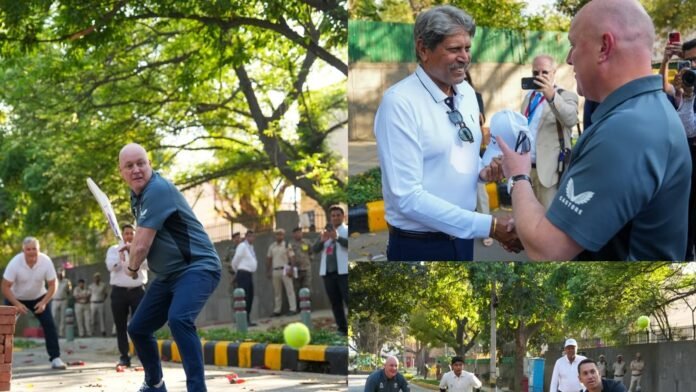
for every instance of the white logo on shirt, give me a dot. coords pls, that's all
(572, 201)
(143, 212)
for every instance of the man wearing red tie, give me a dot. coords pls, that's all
(551, 113)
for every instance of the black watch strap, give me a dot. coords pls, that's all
(133, 270)
(520, 177)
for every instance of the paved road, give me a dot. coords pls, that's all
(32, 373)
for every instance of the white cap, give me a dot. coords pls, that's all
(506, 124)
(570, 342)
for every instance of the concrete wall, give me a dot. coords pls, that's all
(669, 366)
(218, 309)
(498, 83)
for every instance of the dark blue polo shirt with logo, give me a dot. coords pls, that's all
(181, 242)
(378, 382)
(625, 195)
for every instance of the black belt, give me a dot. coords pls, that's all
(420, 235)
(278, 268)
(127, 288)
(639, 374)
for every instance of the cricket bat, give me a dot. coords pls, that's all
(108, 211)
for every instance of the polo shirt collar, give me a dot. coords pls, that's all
(432, 88)
(154, 174)
(629, 90)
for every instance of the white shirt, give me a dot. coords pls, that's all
(687, 117)
(29, 284)
(341, 252)
(429, 176)
(117, 270)
(565, 375)
(466, 382)
(244, 258)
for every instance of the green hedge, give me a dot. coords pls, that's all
(320, 337)
(365, 187)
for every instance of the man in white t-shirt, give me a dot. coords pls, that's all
(244, 265)
(565, 371)
(24, 287)
(458, 379)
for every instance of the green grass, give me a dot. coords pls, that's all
(271, 336)
(21, 343)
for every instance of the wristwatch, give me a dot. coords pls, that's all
(520, 177)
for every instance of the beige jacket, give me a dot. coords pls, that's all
(564, 108)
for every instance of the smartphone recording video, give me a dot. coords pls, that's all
(674, 37)
(528, 84)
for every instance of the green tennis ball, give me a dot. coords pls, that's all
(643, 322)
(296, 335)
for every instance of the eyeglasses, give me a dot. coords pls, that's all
(464, 132)
(523, 144)
(536, 73)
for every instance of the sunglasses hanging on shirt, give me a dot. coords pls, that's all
(457, 119)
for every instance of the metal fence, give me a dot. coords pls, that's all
(651, 335)
(219, 232)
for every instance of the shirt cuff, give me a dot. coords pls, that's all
(482, 225)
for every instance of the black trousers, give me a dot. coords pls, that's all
(245, 280)
(336, 287)
(124, 301)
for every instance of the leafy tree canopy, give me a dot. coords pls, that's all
(238, 79)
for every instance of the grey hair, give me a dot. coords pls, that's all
(433, 25)
(30, 240)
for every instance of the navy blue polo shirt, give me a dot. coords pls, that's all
(181, 243)
(625, 195)
(378, 382)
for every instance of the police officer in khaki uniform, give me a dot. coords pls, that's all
(84, 323)
(99, 291)
(60, 301)
(301, 257)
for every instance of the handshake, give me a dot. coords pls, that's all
(503, 231)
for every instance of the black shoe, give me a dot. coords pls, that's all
(125, 363)
(253, 324)
(276, 314)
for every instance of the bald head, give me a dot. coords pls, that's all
(134, 167)
(627, 20)
(391, 366)
(611, 45)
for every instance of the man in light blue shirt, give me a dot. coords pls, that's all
(428, 139)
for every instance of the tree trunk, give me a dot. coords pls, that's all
(520, 350)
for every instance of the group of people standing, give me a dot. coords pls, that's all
(620, 172)
(288, 266)
(172, 243)
(569, 374)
